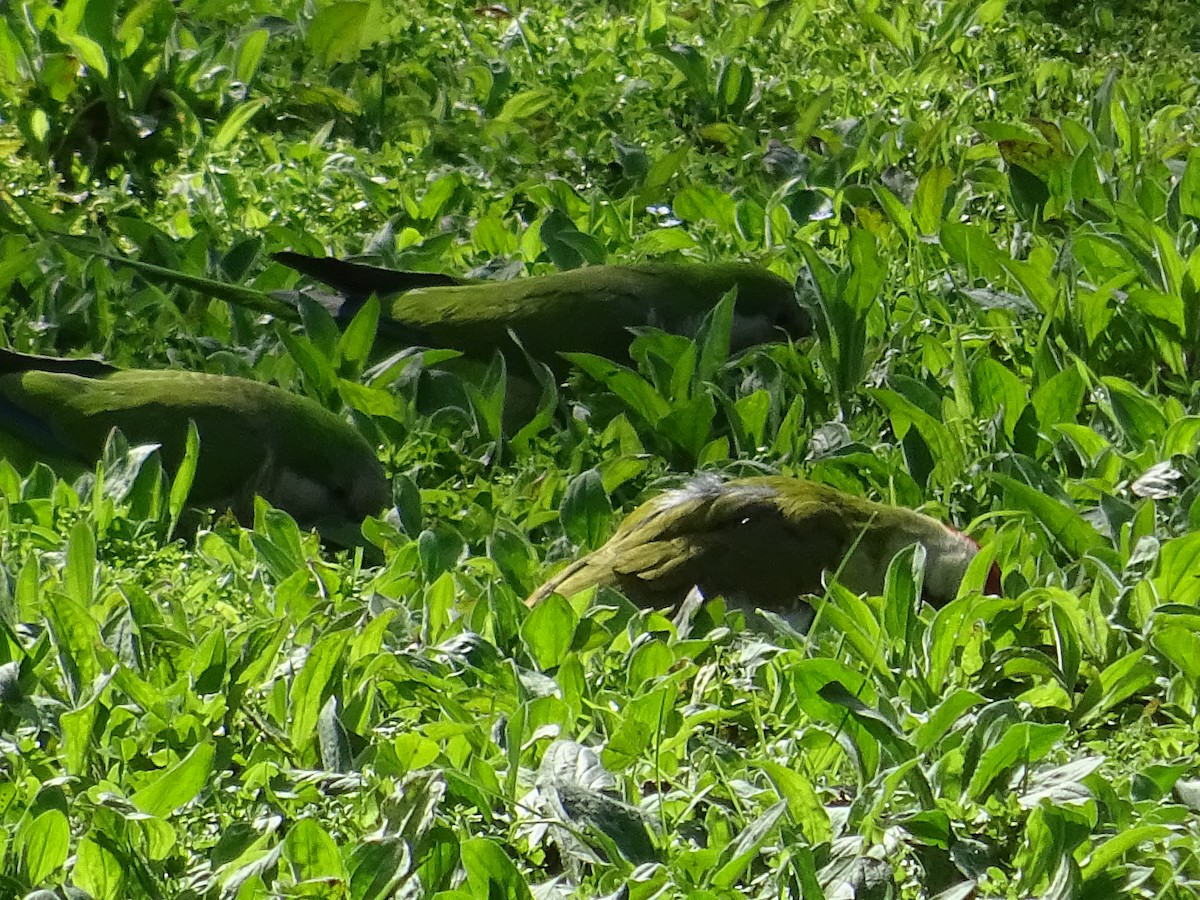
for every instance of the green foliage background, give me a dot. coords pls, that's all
(992, 210)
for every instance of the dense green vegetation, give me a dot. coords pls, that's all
(993, 211)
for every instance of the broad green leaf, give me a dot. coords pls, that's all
(995, 388)
(803, 804)
(1138, 416)
(79, 578)
(1181, 647)
(1059, 399)
(311, 688)
(250, 54)
(98, 870)
(378, 868)
(312, 853)
(490, 871)
(234, 124)
(185, 474)
(713, 337)
(1021, 744)
(177, 785)
(948, 713)
(354, 345)
(526, 104)
(739, 854)
(867, 271)
(930, 199)
(1063, 522)
(1120, 844)
(637, 393)
(44, 843)
(1178, 578)
(644, 721)
(1120, 680)
(340, 31)
(548, 631)
(586, 511)
(1189, 186)
(972, 247)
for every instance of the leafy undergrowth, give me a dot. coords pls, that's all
(993, 213)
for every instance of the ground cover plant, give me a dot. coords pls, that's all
(992, 213)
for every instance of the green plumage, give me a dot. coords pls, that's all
(586, 310)
(761, 542)
(254, 438)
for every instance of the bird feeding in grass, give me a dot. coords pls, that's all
(594, 309)
(254, 438)
(765, 542)
(585, 310)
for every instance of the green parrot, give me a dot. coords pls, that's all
(254, 438)
(588, 310)
(764, 542)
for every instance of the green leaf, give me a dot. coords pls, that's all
(526, 104)
(643, 721)
(312, 688)
(1059, 399)
(902, 598)
(713, 337)
(1136, 414)
(973, 248)
(1178, 578)
(250, 54)
(177, 785)
(490, 871)
(312, 853)
(1021, 744)
(234, 123)
(803, 803)
(930, 199)
(739, 854)
(735, 86)
(548, 631)
(1064, 524)
(76, 638)
(1120, 680)
(1189, 186)
(341, 31)
(698, 203)
(691, 64)
(354, 345)
(586, 511)
(44, 843)
(79, 578)
(97, 870)
(995, 388)
(1120, 844)
(886, 29)
(637, 394)
(378, 868)
(185, 474)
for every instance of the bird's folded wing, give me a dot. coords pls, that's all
(662, 562)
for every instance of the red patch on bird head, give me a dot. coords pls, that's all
(992, 586)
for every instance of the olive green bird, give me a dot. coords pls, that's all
(764, 542)
(587, 310)
(254, 438)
